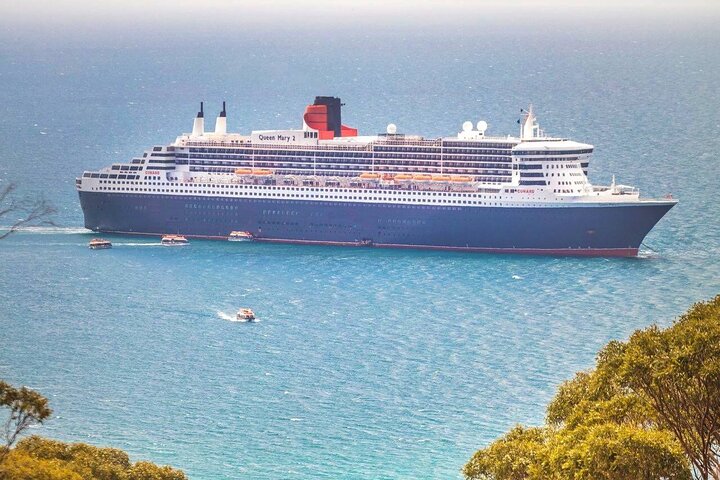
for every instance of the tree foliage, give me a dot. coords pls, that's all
(26, 408)
(650, 409)
(515, 456)
(37, 458)
(678, 371)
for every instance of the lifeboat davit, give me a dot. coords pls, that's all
(461, 179)
(370, 176)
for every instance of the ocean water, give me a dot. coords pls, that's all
(365, 363)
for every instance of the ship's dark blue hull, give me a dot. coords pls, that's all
(600, 230)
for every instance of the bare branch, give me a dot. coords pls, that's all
(32, 213)
(6, 191)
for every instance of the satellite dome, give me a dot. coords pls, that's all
(482, 126)
(391, 129)
(467, 126)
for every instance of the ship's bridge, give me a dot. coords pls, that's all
(559, 165)
(550, 146)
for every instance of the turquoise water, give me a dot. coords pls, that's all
(365, 363)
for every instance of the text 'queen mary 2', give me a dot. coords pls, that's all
(325, 184)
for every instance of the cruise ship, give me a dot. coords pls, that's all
(326, 184)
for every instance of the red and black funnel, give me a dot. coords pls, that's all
(325, 116)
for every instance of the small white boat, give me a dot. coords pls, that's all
(240, 236)
(99, 244)
(245, 314)
(171, 240)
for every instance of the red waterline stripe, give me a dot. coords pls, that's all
(574, 252)
(582, 252)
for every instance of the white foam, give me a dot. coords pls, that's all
(642, 253)
(517, 277)
(225, 316)
(138, 244)
(233, 318)
(50, 230)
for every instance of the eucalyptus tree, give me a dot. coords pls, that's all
(649, 410)
(25, 407)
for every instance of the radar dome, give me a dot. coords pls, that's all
(392, 129)
(482, 126)
(467, 126)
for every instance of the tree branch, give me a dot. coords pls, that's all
(35, 213)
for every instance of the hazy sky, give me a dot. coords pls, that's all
(84, 13)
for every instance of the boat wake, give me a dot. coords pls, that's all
(140, 244)
(644, 254)
(232, 318)
(51, 230)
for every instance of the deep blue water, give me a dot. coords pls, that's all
(365, 363)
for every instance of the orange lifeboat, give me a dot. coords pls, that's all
(245, 314)
(403, 176)
(370, 176)
(422, 177)
(262, 171)
(462, 179)
(170, 240)
(441, 178)
(243, 171)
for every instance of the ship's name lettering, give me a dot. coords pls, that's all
(277, 138)
(152, 172)
(525, 191)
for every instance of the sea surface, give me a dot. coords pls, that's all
(365, 363)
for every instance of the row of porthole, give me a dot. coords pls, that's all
(281, 189)
(306, 197)
(416, 204)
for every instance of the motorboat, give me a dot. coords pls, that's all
(245, 314)
(172, 240)
(240, 236)
(99, 244)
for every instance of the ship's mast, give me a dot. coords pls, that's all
(529, 127)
